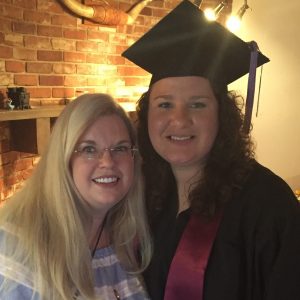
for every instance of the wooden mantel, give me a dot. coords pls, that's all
(30, 128)
(35, 112)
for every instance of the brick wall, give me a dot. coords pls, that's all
(56, 56)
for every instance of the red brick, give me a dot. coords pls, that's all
(6, 79)
(36, 17)
(5, 25)
(36, 67)
(22, 164)
(45, 102)
(75, 34)
(4, 146)
(12, 12)
(23, 27)
(115, 60)
(27, 173)
(64, 20)
(119, 39)
(49, 55)
(137, 81)
(14, 66)
(26, 80)
(8, 157)
(6, 170)
(64, 68)
(98, 36)
(96, 80)
(24, 54)
(75, 81)
(53, 31)
(2, 70)
(14, 39)
(140, 30)
(25, 154)
(120, 49)
(74, 57)
(50, 6)
(39, 92)
(63, 44)
(37, 42)
(1, 37)
(51, 80)
(7, 193)
(25, 3)
(63, 92)
(86, 69)
(5, 132)
(6, 52)
(86, 46)
(96, 58)
(131, 71)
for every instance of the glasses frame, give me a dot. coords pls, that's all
(97, 155)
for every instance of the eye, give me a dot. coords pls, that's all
(88, 149)
(165, 104)
(121, 149)
(198, 104)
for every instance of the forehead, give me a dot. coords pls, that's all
(108, 128)
(195, 85)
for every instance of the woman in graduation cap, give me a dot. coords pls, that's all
(224, 226)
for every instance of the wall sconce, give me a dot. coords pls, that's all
(234, 22)
(212, 14)
(198, 2)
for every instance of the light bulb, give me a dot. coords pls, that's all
(210, 14)
(233, 23)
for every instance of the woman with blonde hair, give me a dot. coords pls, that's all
(77, 228)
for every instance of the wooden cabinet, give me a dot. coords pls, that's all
(30, 128)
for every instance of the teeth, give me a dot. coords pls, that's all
(106, 179)
(180, 138)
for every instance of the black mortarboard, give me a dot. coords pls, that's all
(185, 43)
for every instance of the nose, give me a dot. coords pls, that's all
(106, 160)
(181, 116)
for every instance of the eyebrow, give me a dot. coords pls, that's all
(94, 143)
(192, 98)
(165, 97)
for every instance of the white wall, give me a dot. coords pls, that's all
(275, 26)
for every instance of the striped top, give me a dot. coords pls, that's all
(108, 273)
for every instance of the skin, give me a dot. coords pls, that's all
(105, 181)
(183, 124)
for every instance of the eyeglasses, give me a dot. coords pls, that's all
(90, 152)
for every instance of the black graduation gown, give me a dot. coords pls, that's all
(256, 253)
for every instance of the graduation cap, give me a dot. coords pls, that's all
(185, 43)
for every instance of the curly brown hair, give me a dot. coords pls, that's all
(227, 167)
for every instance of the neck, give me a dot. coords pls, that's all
(98, 236)
(185, 177)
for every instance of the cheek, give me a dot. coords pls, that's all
(155, 126)
(79, 172)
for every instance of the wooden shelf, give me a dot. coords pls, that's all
(33, 113)
(30, 128)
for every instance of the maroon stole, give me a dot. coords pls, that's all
(186, 273)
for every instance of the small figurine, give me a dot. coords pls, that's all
(9, 104)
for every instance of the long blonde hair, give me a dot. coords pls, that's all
(51, 221)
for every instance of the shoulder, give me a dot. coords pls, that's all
(264, 198)
(265, 187)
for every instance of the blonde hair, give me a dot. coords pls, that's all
(50, 219)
